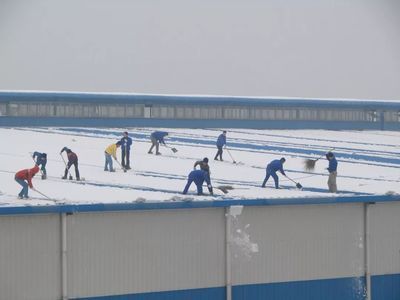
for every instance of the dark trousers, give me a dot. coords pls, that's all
(75, 163)
(125, 157)
(155, 143)
(219, 153)
(43, 168)
(274, 176)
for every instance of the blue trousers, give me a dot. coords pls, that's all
(199, 185)
(24, 191)
(109, 163)
(274, 176)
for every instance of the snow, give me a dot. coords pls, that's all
(199, 96)
(369, 163)
(235, 210)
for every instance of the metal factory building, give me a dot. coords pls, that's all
(90, 109)
(343, 248)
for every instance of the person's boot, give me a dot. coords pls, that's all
(158, 153)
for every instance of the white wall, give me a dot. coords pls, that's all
(117, 253)
(30, 263)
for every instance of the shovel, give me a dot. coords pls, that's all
(298, 185)
(172, 149)
(229, 152)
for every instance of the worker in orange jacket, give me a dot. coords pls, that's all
(24, 178)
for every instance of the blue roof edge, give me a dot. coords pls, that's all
(106, 207)
(125, 98)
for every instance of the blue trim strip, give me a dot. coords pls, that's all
(102, 207)
(191, 100)
(352, 288)
(384, 287)
(193, 123)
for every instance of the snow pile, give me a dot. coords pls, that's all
(239, 237)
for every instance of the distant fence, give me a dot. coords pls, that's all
(85, 109)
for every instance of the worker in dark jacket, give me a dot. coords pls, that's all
(24, 178)
(332, 169)
(156, 138)
(198, 176)
(41, 161)
(221, 142)
(203, 165)
(126, 143)
(273, 167)
(72, 160)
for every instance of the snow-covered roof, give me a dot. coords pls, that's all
(369, 166)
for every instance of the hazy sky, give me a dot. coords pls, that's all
(293, 48)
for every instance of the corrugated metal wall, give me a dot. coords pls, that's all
(302, 243)
(304, 252)
(135, 252)
(30, 257)
(385, 250)
(86, 109)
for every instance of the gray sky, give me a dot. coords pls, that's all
(292, 48)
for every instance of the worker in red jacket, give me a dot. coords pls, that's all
(24, 178)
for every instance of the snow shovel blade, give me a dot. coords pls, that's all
(174, 150)
(299, 186)
(222, 189)
(225, 188)
(70, 177)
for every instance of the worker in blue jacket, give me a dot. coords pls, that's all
(199, 176)
(221, 142)
(126, 143)
(332, 169)
(41, 161)
(273, 167)
(156, 138)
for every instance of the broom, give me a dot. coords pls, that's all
(309, 164)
